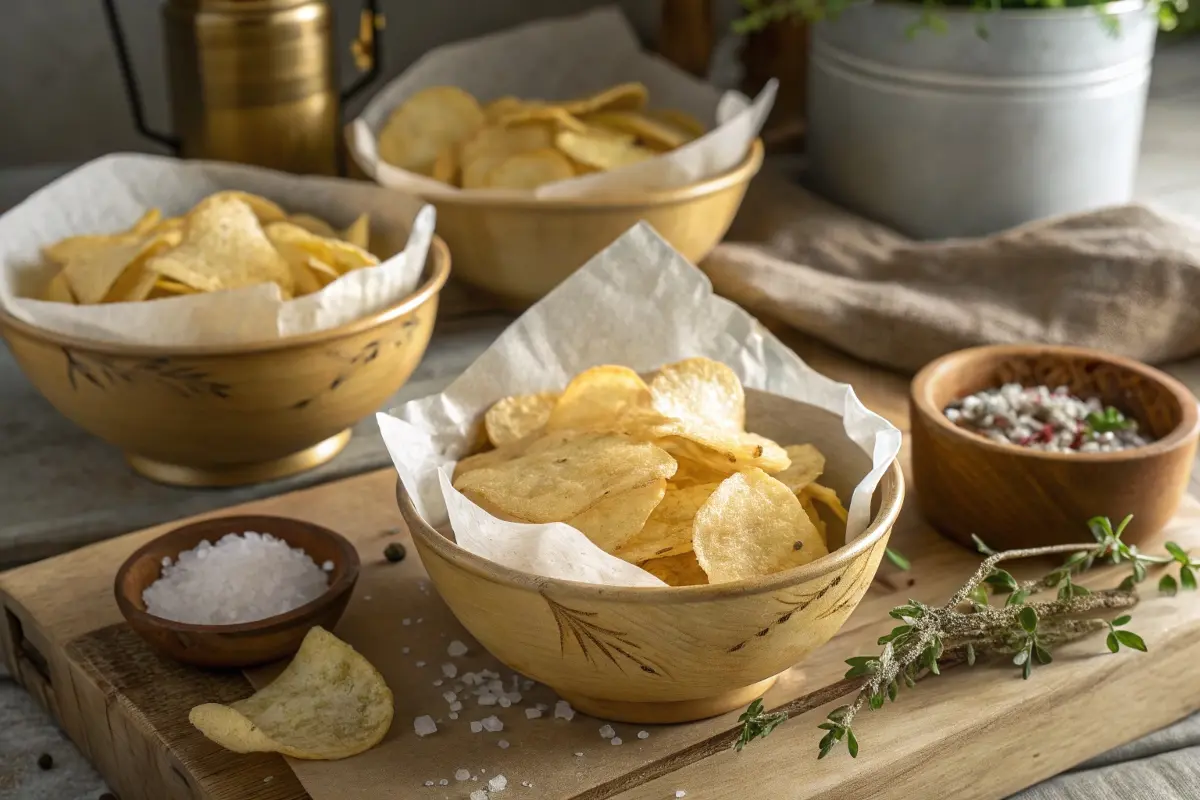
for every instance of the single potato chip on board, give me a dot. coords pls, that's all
(518, 416)
(753, 526)
(561, 482)
(425, 123)
(668, 530)
(680, 570)
(614, 520)
(328, 703)
(807, 465)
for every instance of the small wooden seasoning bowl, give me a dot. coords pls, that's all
(244, 644)
(1014, 497)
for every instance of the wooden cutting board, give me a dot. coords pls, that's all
(972, 733)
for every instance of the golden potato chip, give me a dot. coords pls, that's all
(807, 465)
(558, 117)
(720, 449)
(90, 274)
(600, 150)
(694, 473)
(58, 291)
(751, 526)
(647, 129)
(702, 390)
(445, 165)
(165, 287)
(90, 244)
(526, 171)
(425, 123)
(501, 106)
(359, 232)
(826, 497)
(314, 225)
(491, 145)
(597, 398)
(324, 273)
(147, 222)
(623, 96)
(518, 416)
(680, 570)
(223, 248)
(679, 119)
(534, 442)
(303, 277)
(668, 531)
(561, 482)
(614, 520)
(137, 282)
(296, 245)
(265, 211)
(329, 703)
(809, 508)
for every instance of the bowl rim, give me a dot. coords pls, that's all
(437, 268)
(341, 585)
(933, 373)
(742, 172)
(480, 567)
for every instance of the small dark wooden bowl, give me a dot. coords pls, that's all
(248, 643)
(1013, 497)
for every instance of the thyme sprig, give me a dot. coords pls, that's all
(970, 625)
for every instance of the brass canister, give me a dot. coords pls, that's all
(254, 81)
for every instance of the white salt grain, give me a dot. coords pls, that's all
(241, 578)
(563, 710)
(492, 724)
(643, 734)
(503, 744)
(498, 784)
(420, 663)
(615, 740)
(405, 650)
(462, 775)
(429, 783)
(505, 702)
(443, 782)
(680, 793)
(424, 725)
(479, 794)
(607, 732)
(476, 726)
(328, 567)
(532, 713)
(438, 682)
(449, 670)
(456, 649)
(487, 699)
(579, 755)
(406, 621)
(456, 705)
(453, 715)
(449, 697)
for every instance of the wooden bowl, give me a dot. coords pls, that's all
(664, 655)
(230, 415)
(248, 643)
(520, 248)
(1013, 497)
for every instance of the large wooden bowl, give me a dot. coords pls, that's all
(1012, 496)
(519, 249)
(228, 415)
(661, 655)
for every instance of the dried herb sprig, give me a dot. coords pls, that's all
(970, 625)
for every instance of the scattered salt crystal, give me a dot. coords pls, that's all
(492, 723)
(327, 566)
(615, 740)
(504, 702)
(563, 710)
(453, 715)
(532, 713)
(487, 699)
(680, 793)
(607, 732)
(438, 682)
(404, 650)
(166, 561)
(456, 649)
(527, 686)
(479, 794)
(643, 734)
(420, 663)
(268, 779)
(514, 697)
(429, 783)
(443, 782)
(242, 578)
(456, 705)
(579, 755)
(462, 775)
(476, 726)
(420, 620)
(449, 697)
(367, 597)
(471, 678)
(406, 621)
(542, 707)
(503, 744)
(498, 784)
(449, 670)
(424, 725)
(496, 686)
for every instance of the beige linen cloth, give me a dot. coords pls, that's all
(1125, 280)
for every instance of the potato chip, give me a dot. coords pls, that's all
(314, 225)
(701, 390)
(648, 130)
(561, 482)
(445, 165)
(624, 96)
(425, 123)
(526, 171)
(58, 291)
(694, 473)
(90, 274)
(751, 526)
(296, 245)
(492, 145)
(597, 398)
(359, 232)
(811, 510)
(89, 244)
(535, 442)
(501, 106)
(610, 523)
(137, 282)
(668, 531)
(324, 273)
(826, 497)
(807, 465)
(680, 570)
(600, 150)
(679, 119)
(329, 703)
(559, 118)
(518, 416)
(720, 449)
(223, 248)
(265, 211)
(165, 287)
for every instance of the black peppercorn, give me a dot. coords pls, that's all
(45, 761)
(394, 552)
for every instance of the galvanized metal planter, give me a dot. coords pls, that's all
(950, 134)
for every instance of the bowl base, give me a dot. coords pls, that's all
(668, 713)
(219, 475)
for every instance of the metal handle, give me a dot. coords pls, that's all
(365, 48)
(130, 78)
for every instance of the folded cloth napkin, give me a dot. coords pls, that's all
(1124, 279)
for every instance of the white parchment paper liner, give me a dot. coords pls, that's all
(559, 59)
(637, 303)
(109, 194)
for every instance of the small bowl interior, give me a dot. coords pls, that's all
(1131, 391)
(321, 544)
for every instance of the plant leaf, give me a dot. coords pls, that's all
(1121, 620)
(1017, 598)
(898, 561)
(970, 654)
(1027, 669)
(1187, 578)
(1176, 552)
(1002, 581)
(1042, 654)
(1028, 618)
(851, 743)
(1112, 643)
(1130, 639)
(1167, 585)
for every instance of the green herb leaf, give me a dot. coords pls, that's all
(1187, 578)
(1121, 620)
(979, 596)
(893, 691)
(1028, 619)
(1042, 654)
(1167, 585)
(1112, 643)
(898, 561)
(1130, 639)
(1127, 585)
(1027, 669)
(1017, 598)
(1107, 421)
(970, 654)
(1176, 552)
(1139, 571)
(851, 743)
(1002, 581)
(876, 701)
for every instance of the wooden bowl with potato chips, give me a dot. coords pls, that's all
(519, 246)
(682, 473)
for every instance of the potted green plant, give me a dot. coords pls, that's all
(949, 118)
